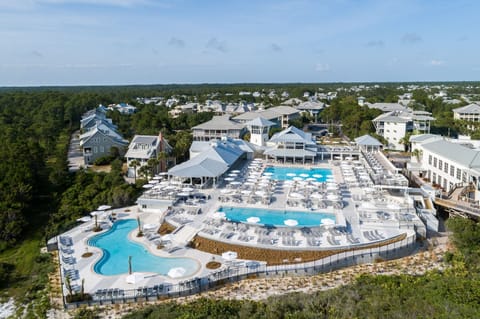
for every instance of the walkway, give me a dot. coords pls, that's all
(75, 155)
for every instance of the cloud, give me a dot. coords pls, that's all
(176, 42)
(322, 67)
(411, 38)
(275, 47)
(214, 44)
(436, 62)
(375, 44)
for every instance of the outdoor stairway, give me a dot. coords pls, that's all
(186, 234)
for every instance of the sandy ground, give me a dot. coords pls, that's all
(259, 289)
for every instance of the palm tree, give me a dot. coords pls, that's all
(153, 165)
(134, 164)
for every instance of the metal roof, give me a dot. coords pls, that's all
(455, 152)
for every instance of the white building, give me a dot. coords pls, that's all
(394, 125)
(448, 164)
(469, 113)
(144, 147)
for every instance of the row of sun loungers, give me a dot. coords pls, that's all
(244, 238)
(180, 220)
(66, 240)
(71, 273)
(109, 293)
(290, 241)
(333, 241)
(373, 235)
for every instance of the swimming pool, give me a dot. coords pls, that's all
(288, 173)
(277, 218)
(117, 248)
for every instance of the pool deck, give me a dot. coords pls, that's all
(367, 217)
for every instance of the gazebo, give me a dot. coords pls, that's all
(368, 143)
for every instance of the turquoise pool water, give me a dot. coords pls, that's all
(275, 217)
(287, 173)
(117, 247)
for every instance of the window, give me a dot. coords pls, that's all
(464, 177)
(434, 162)
(440, 164)
(434, 177)
(429, 159)
(102, 149)
(452, 170)
(95, 149)
(446, 168)
(459, 173)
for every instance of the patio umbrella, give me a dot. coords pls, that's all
(96, 213)
(236, 171)
(297, 179)
(148, 227)
(229, 179)
(235, 183)
(303, 175)
(188, 189)
(327, 221)
(218, 215)
(268, 173)
(260, 193)
(183, 194)
(104, 207)
(153, 181)
(291, 174)
(148, 186)
(296, 195)
(317, 175)
(253, 219)
(84, 219)
(290, 222)
(229, 255)
(176, 272)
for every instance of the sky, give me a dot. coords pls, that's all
(117, 42)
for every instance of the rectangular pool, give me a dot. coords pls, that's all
(287, 173)
(277, 218)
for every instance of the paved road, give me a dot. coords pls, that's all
(75, 155)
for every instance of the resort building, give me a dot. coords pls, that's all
(217, 128)
(447, 164)
(280, 115)
(388, 107)
(99, 136)
(291, 145)
(368, 143)
(311, 108)
(123, 108)
(395, 125)
(259, 128)
(468, 113)
(145, 147)
(97, 143)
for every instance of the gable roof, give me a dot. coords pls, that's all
(367, 140)
(470, 108)
(221, 122)
(292, 134)
(269, 114)
(455, 152)
(260, 121)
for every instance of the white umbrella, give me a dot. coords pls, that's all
(260, 193)
(229, 255)
(150, 226)
(226, 191)
(176, 272)
(246, 192)
(188, 189)
(291, 174)
(233, 174)
(297, 179)
(218, 215)
(163, 173)
(317, 175)
(148, 186)
(96, 213)
(303, 175)
(268, 173)
(327, 221)
(104, 207)
(290, 222)
(253, 219)
(153, 181)
(296, 195)
(229, 179)
(235, 183)
(236, 171)
(332, 197)
(316, 196)
(84, 219)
